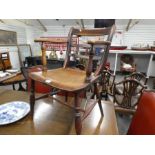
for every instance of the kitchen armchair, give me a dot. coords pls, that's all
(72, 79)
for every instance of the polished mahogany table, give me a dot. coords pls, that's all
(52, 118)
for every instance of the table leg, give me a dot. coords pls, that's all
(13, 86)
(21, 87)
(32, 96)
(78, 122)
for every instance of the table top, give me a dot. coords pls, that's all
(52, 40)
(13, 79)
(51, 118)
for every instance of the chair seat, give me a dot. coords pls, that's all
(63, 78)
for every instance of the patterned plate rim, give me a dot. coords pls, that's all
(22, 116)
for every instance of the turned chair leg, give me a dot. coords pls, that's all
(78, 122)
(32, 97)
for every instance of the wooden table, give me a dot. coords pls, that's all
(51, 118)
(14, 79)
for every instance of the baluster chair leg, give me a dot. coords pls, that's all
(78, 122)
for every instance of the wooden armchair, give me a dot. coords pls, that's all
(127, 94)
(72, 79)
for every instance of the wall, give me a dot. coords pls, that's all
(143, 34)
(33, 33)
(21, 39)
(137, 34)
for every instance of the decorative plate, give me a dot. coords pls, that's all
(13, 111)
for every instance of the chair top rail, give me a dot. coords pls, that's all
(94, 32)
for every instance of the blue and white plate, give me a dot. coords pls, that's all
(13, 111)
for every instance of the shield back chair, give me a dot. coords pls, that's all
(126, 95)
(107, 84)
(138, 76)
(74, 80)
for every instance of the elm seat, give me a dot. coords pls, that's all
(67, 79)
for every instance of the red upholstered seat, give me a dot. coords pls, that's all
(143, 122)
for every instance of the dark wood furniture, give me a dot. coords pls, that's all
(143, 120)
(138, 76)
(74, 80)
(5, 61)
(127, 94)
(55, 119)
(107, 84)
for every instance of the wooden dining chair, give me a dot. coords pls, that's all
(138, 76)
(107, 84)
(74, 80)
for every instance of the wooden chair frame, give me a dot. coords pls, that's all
(107, 84)
(130, 90)
(90, 79)
(138, 76)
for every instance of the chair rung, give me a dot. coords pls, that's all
(61, 102)
(90, 105)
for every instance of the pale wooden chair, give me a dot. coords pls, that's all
(74, 80)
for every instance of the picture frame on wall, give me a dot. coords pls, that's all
(8, 37)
